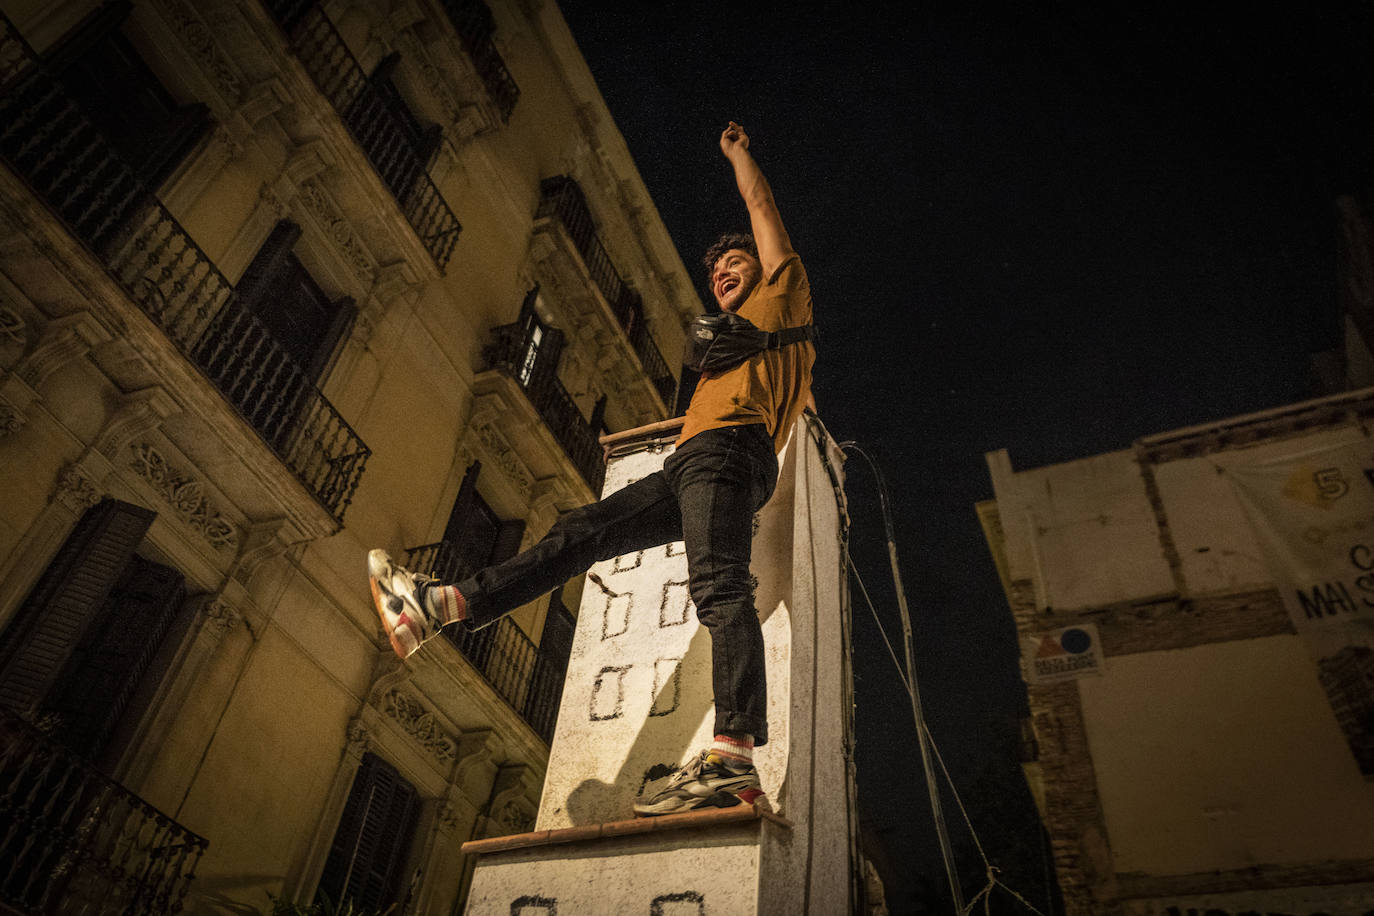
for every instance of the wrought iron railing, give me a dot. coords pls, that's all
(503, 654)
(562, 199)
(472, 21)
(379, 130)
(506, 352)
(655, 366)
(74, 841)
(47, 139)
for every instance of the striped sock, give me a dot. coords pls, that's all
(734, 750)
(446, 603)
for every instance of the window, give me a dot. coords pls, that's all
(125, 100)
(399, 146)
(475, 535)
(278, 289)
(540, 346)
(84, 647)
(367, 859)
(550, 667)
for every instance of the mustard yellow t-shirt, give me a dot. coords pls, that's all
(770, 387)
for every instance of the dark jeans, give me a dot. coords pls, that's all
(706, 495)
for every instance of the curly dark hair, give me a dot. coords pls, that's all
(741, 240)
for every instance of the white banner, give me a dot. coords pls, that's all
(1313, 514)
(1062, 655)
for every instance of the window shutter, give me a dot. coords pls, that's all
(92, 30)
(462, 504)
(102, 673)
(507, 542)
(62, 607)
(550, 668)
(372, 841)
(269, 264)
(527, 307)
(345, 310)
(598, 421)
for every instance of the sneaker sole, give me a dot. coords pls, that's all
(378, 565)
(715, 800)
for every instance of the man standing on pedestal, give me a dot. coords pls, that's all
(723, 470)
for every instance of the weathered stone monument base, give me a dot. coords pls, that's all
(637, 704)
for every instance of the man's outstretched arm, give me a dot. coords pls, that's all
(764, 219)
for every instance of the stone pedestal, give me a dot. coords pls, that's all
(637, 704)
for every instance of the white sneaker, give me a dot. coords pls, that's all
(398, 594)
(706, 781)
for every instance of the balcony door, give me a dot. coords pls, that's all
(476, 536)
(267, 349)
(125, 100)
(85, 648)
(541, 346)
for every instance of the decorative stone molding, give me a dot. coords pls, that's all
(446, 816)
(339, 231)
(396, 279)
(222, 149)
(420, 724)
(75, 490)
(63, 340)
(516, 816)
(263, 100)
(454, 810)
(358, 740)
(186, 496)
(12, 327)
(476, 763)
(11, 420)
(263, 542)
(219, 617)
(511, 810)
(139, 412)
(418, 57)
(199, 39)
(504, 457)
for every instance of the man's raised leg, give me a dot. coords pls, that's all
(413, 607)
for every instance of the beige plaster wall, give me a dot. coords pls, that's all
(1223, 756)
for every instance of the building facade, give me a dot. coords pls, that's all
(1193, 755)
(282, 281)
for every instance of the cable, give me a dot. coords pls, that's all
(926, 739)
(913, 689)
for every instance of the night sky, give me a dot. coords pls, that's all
(1054, 231)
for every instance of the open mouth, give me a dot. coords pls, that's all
(728, 286)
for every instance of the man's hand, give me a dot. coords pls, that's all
(733, 139)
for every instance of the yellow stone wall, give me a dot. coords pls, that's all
(281, 681)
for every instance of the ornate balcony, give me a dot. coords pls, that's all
(560, 198)
(386, 134)
(472, 21)
(73, 841)
(48, 141)
(508, 352)
(521, 674)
